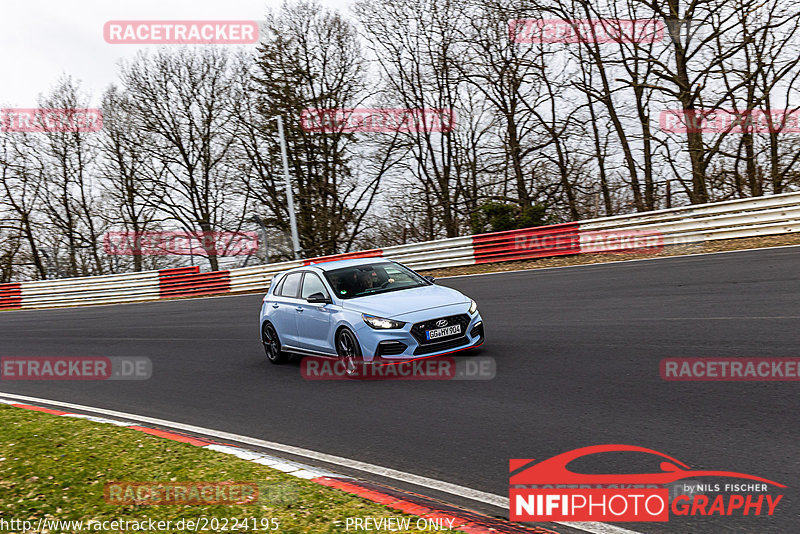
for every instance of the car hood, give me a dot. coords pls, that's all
(404, 301)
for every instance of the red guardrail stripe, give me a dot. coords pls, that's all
(537, 242)
(221, 285)
(177, 271)
(187, 281)
(197, 277)
(372, 253)
(10, 296)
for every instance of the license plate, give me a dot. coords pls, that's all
(443, 332)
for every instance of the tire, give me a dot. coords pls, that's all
(272, 345)
(349, 350)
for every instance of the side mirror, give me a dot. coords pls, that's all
(429, 278)
(318, 298)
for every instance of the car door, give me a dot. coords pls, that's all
(283, 312)
(314, 318)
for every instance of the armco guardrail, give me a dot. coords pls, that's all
(557, 240)
(776, 214)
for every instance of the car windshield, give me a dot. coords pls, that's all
(363, 280)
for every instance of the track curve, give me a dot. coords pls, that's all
(577, 353)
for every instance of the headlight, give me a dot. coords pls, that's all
(473, 306)
(380, 323)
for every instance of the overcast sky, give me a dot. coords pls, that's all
(43, 39)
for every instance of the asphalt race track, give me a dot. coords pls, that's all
(577, 352)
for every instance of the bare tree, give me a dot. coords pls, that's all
(415, 43)
(311, 59)
(71, 199)
(131, 174)
(187, 100)
(762, 74)
(22, 175)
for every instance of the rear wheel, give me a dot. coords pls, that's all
(272, 345)
(349, 351)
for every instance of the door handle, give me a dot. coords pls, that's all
(299, 309)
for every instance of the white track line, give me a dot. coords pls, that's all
(446, 487)
(417, 480)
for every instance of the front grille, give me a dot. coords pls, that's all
(418, 330)
(445, 345)
(390, 348)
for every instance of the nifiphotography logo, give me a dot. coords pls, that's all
(550, 491)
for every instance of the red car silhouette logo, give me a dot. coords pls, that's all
(554, 470)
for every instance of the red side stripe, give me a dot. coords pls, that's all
(39, 409)
(375, 496)
(171, 435)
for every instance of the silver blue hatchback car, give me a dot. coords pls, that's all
(367, 309)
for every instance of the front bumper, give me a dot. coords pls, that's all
(409, 342)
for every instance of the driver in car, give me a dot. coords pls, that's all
(375, 280)
(360, 282)
(368, 281)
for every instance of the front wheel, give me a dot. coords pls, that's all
(349, 351)
(272, 345)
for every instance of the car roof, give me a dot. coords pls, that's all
(353, 262)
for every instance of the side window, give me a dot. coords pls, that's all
(312, 284)
(291, 285)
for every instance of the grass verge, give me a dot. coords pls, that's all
(55, 468)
